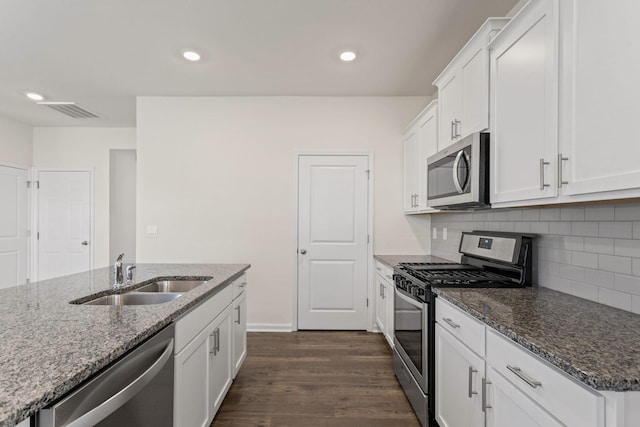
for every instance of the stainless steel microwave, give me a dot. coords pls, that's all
(458, 176)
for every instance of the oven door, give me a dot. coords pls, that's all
(410, 335)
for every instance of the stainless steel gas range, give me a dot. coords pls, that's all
(489, 259)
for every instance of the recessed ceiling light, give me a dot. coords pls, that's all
(191, 55)
(348, 56)
(34, 96)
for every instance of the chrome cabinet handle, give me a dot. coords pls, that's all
(471, 372)
(238, 321)
(100, 412)
(417, 201)
(451, 322)
(485, 406)
(212, 350)
(457, 122)
(560, 160)
(384, 294)
(530, 381)
(453, 124)
(218, 335)
(542, 165)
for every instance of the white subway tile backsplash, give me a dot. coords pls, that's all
(636, 230)
(635, 304)
(599, 278)
(571, 272)
(584, 290)
(549, 269)
(625, 247)
(562, 228)
(522, 227)
(636, 267)
(501, 215)
(599, 213)
(550, 214)
(540, 227)
(628, 284)
(556, 283)
(550, 241)
(479, 216)
(572, 214)
(615, 264)
(531, 215)
(572, 243)
(614, 298)
(507, 226)
(620, 230)
(584, 259)
(598, 245)
(627, 212)
(584, 229)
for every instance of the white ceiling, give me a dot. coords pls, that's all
(102, 54)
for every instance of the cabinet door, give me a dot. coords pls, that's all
(381, 306)
(508, 406)
(427, 146)
(474, 78)
(220, 360)
(459, 373)
(389, 290)
(600, 91)
(524, 105)
(191, 392)
(411, 170)
(450, 106)
(239, 332)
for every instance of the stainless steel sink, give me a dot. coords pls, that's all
(171, 286)
(133, 298)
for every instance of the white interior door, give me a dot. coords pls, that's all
(13, 226)
(64, 223)
(332, 242)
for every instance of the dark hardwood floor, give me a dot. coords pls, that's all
(316, 379)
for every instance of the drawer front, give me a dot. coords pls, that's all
(189, 326)
(239, 285)
(566, 399)
(461, 325)
(385, 271)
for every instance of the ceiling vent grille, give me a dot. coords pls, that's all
(70, 109)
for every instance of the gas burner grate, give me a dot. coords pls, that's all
(452, 274)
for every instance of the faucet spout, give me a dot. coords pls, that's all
(117, 275)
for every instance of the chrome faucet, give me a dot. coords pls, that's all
(117, 276)
(129, 271)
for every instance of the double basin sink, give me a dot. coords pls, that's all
(157, 292)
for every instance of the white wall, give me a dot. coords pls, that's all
(85, 148)
(122, 205)
(215, 174)
(16, 143)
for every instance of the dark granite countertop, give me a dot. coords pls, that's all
(594, 343)
(50, 346)
(393, 260)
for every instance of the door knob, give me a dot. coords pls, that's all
(85, 243)
(303, 251)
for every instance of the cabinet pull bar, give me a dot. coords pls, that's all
(471, 372)
(453, 123)
(451, 322)
(218, 340)
(213, 347)
(238, 321)
(516, 370)
(560, 160)
(458, 122)
(542, 165)
(485, 406)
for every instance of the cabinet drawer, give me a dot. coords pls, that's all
(239, 285)
(188, 327)
(461, 325)
(384, 271)
(566, 399)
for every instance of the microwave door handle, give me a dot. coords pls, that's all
(456, 163)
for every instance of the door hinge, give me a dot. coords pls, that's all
(38, 235)
(367, 302)
(28, 280)
(368, 240)
(37, 183)
(368, 171)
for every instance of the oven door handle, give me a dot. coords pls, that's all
(404, 296)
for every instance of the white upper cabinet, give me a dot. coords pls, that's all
(420, 142)
(463, 87)
(524, 105)
(599, 97)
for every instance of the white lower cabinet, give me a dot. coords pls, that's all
(239, 331)
(459, 374)
(508, 406)
(204, 360)
(384, 289)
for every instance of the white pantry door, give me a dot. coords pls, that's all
(332, 242)
(13, 226)
(64, 223)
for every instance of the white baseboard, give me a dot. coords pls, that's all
(269, 327)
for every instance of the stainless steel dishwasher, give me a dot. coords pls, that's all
(135, 391)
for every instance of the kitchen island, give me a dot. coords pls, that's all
(50, 346)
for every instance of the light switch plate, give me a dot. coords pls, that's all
(152, 231)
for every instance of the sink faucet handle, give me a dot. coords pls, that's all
(129, 270)
(119, 259)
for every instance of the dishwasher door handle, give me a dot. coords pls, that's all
(112, 404)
